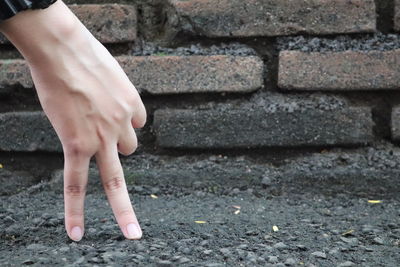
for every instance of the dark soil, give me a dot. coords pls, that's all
(314, 229)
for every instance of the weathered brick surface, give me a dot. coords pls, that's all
(194, 74)
(258, 127)
(27, 131)
(396, 123)
(397, 15)
(14, 72)
(238, 18)
(168, 74)
(349, 70)
(109, 23)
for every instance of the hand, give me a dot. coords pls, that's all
(91, 104)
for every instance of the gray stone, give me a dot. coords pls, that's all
(27, 131)
(280, 246)
(164, 263)
(36, 247)
(379, 241)
(351, 241)
(266, 181)
(257, 127)
(273, 259)
(319, 254)
(396, 123)
(225, 251)
(346, 264)
(290, 262)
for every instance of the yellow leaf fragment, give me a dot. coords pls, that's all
(374, 201)
(1, 166)
(348, 232)
(275, 228)
(200, 222)
(237, 211)
(154, 196)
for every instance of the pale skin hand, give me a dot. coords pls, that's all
(90, 102)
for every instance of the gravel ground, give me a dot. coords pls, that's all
(234, 229)
(320, 205)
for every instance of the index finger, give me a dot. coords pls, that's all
(114, 184)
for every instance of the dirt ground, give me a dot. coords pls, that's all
(196, 227)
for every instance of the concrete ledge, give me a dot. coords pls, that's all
(396, 123)
(27, 131)
(258, 127)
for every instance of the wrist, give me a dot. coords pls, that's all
(36, 32)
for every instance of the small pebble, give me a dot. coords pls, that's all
(280, 246)
(207, 252)
(225, 251)
(346, 264)
(379, 241)
(319, 254)
(164, 263)
(290, 262)
(183, 260)
(273, 259)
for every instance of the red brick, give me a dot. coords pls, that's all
(194, 74)
(168, 74)
(238, 18)
(109, 23)
(14, 72)
(349, 70)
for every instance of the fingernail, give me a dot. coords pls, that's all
(133, 231)
(76, 233)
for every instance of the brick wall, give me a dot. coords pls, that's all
(234, 76)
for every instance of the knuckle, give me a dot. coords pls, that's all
(119, 116)
(76, 148)
(75, 190)
(114, 184)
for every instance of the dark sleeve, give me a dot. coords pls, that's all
(9, 8)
